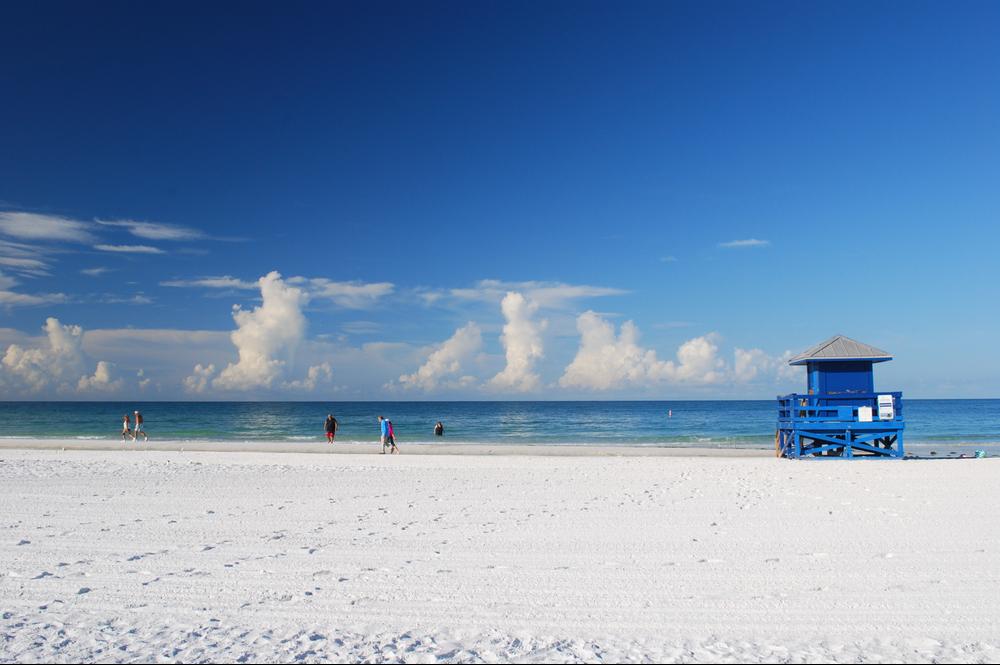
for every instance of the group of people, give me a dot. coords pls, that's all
(128, 431)
(387, 435)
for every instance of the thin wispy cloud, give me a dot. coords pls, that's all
(742, 244)
(11, 298)
(32, 226)
(137, 299)
(350, 295)
(221, 282)
(33, 267)
(668, 259)
(154, 231)
(545, 294)
(95, 272)
(130, 249)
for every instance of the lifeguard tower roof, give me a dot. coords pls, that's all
(840, 348)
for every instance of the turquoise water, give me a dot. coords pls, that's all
(957, 423)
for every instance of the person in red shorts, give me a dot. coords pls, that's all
(331, 427)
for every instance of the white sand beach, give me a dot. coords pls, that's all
(163, 555)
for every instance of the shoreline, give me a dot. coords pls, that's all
(322, 448)
(921, 450)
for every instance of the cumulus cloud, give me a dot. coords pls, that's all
(606, 361)
(522, 342)
(697, 361)
(100, 381)
(31, 226)
(752, 364)
(742, 244)
(57, 363)
(446, 360)
(315, 375)
(144, 381)
(199, 379)
(130, 249)
(154, 231)
(265, 337)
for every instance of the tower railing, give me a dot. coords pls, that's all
(839, 425)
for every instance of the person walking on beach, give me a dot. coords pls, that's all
(126, 427)
(138, 428)
(331, 427)
(439, 429)
(392, 439)
(383, 427)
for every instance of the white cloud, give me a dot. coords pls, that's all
(58, 363)
(101, 380)
(31, 226)
(61, 363)
(199, 379)
(33, 267)
(751, 364)
(522, 342)
(607, 361)
(130, 249)
(154, 231)
(24, 259)
(446, 360)
(222, 282)
(95, 272)
(351, 295)
(740, 244)
(265, 337)
(11, 248)
(315, 375)
(543, 294)
(10, 298)
(144, 381)
(137, 299)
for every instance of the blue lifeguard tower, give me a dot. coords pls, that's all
(841, 415)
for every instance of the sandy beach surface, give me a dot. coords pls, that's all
(163, 555)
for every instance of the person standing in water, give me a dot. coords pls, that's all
(138, 428)
(126, 427)
(331, 427)
(439, 429)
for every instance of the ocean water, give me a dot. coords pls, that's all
(958, 424)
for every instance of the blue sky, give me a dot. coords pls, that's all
(473, 199)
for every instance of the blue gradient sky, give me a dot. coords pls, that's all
(430, 146)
